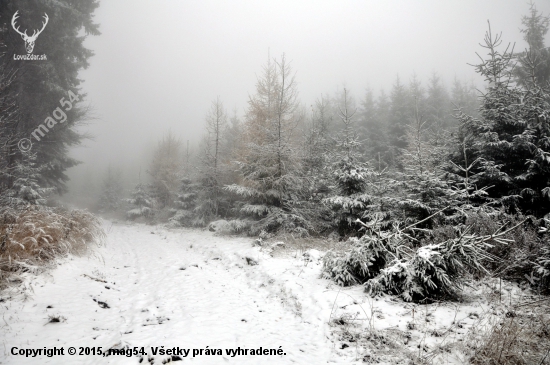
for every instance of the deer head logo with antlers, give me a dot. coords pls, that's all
(29, 40)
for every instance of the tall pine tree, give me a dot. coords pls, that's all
(534, 62)
(510, 137)
(38, 86)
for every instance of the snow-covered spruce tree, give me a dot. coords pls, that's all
(436, 270)
(366, 255)
(416, 102)
(10, 134)
(111, 191)
(534, 63)
(542, 267)
(379, 137)
(398, 118)
(51, 81)
(317, 141)
(422, 185)
(185, 214)
(510, 137)
(464, 98)
(317, 145)
(371, 119)
(387, 261)
(165, 170)
(397, 217)
(271, 188)
(470, 196)
(142, 203)
(438, 106)
(232, 143)
(393, 254)
(25, 189)
(349, 174)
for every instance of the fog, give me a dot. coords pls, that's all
(159, 64)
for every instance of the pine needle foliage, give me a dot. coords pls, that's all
(432, 271)
(396, 262)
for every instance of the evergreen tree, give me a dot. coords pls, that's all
(165, 170)
(317, 140)
(416, 99)
(232, 141)
(317, 145)
(271, 186)
(438, 107)
(39, 86)
(142, 202)
(381, 151)
(510, 137)
(25, 189)
(425, 190)
(10, 135)
(111, 191)
(464, 98)
(534, 63)
(399, 115)
(371, 128)
(185, 205)
(350, 175)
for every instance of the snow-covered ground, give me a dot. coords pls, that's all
(150, 287)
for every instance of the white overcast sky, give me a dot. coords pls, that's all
(159, 63)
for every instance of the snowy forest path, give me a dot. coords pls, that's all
(152, 287)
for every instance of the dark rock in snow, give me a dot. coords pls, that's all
(102, 304)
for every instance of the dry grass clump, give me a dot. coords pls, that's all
(518, 338)
(32, 238)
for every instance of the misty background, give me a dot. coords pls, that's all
(159, 64)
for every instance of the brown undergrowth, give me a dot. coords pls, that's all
(520, 337)
(32, 238)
